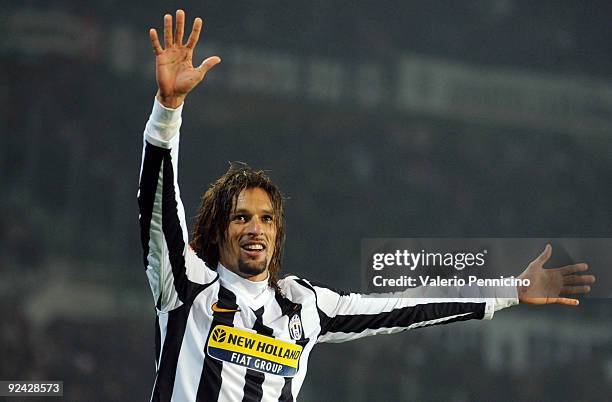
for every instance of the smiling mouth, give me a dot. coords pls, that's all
(253, 249)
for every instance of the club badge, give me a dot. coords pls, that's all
(295, 327)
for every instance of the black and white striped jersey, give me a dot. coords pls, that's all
(220, 337)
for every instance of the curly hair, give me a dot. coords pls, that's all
(213, 217)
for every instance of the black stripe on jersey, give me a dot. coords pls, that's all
(146, 195)
(286, 395)
(210, 379)
(319, 284)
(401, 317)
(175, 330)
(173, 233)
(288, 307)
(253, 391)
(259, 325)
(404, 317)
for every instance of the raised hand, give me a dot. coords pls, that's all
(174, 70)
(548, 284)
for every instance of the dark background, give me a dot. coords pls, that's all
(377, 119)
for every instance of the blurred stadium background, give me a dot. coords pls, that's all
(399, 119)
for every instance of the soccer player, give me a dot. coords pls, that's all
(227, 327)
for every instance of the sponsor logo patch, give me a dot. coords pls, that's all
(218, 309)
(255, 351)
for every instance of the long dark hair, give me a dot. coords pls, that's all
(217, 204)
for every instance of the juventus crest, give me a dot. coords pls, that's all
(295, 327)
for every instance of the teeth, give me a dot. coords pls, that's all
(253, 247)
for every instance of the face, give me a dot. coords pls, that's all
(251, 234)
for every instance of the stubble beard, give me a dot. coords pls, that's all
(248, 269)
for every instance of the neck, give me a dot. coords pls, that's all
(259, 277)
(262, 276)
(245, 286)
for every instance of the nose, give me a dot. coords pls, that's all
(255, 227)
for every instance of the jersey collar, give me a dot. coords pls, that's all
(244, 286)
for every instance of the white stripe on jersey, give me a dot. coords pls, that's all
(163, 325)
(233, 374)
(191, 356)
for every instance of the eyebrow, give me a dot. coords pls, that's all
(245, 211)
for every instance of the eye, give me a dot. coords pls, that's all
(240, 218)
(268, 218)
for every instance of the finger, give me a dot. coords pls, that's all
(565, 301)
(570, 269)
(574, 290)
(578, 280)
(180, 27)
(155, 42)
(542, 258)
(208, 64)
(195, 33)
(167, 31)
(551, 300)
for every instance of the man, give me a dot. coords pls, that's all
(227, 328)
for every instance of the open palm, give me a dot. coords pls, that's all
(176, 75)
(547, 285)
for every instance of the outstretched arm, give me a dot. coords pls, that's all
(347, 316)
(174, 271)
